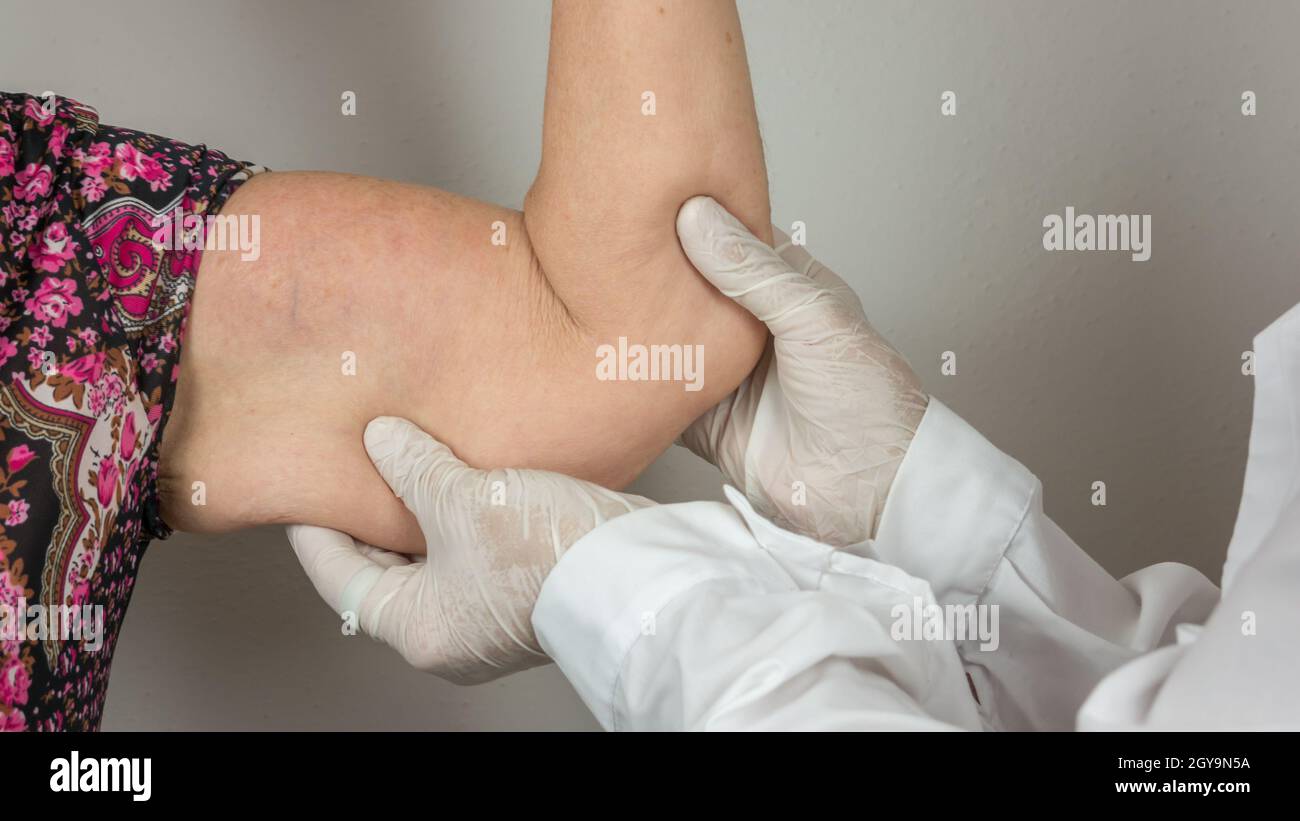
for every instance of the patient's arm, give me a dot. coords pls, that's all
(491, 348)
(602, 210)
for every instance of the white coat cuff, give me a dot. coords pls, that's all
(954, 508)
(607, 589)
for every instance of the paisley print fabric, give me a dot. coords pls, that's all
(93, 313)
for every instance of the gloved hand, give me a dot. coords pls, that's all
(815, 435)
(464, 611)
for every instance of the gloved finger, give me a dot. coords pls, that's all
(389, 607)
(720, 434)
(340, 572)
(416, 466)
(793, 306)
(351, 581)
(385, 558)
(798, 258)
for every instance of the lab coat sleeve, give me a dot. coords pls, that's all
(677, 617)
(969, 519)
(1241, 669)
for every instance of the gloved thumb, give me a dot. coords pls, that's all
(746, 269)
(417, 467)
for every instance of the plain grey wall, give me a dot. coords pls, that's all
(1084, 366)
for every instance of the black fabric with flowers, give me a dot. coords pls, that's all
(93, 313)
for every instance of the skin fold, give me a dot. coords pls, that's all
(466, 339)
(491, 348)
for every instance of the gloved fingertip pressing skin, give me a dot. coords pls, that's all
(463, 612)
(837, 405)
(404, 455)
(378, 431)
(387, 437)
(714, 241)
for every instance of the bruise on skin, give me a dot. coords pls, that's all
(728, 37)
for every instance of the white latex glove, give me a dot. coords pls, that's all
(464, 611)
(815, 435)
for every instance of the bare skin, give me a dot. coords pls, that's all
(490, 348)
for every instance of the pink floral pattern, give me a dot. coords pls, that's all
(93, 315)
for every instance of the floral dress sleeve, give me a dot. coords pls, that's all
(93, 314)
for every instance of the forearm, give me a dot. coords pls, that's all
(647, 104)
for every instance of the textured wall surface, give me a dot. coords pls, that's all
(1084, 366)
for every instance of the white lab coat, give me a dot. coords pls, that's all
(707, 616)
